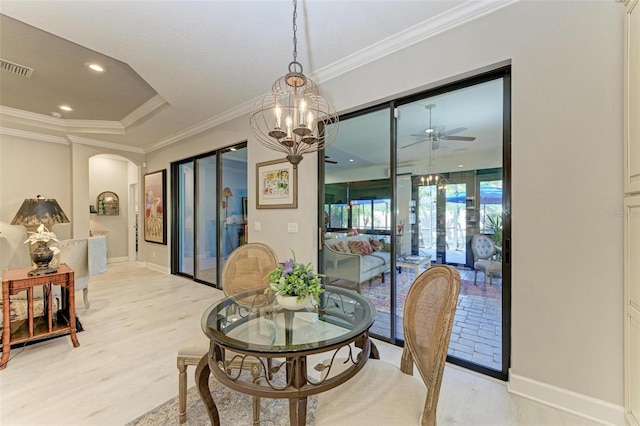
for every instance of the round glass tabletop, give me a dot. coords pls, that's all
(253, 321)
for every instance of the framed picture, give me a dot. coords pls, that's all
(245, 209)
(276, 185)
(155, 200)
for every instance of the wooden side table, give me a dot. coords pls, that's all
(17, 280)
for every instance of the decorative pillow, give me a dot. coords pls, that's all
(360, 247)
(341, 247)
(376, 245)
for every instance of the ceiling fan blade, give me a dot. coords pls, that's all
(452, 131)
(458, 138)
(326, 160)
(411, 144)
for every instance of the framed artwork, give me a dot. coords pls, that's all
(276, 185)
(155, 200)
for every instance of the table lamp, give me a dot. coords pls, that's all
(33, 213)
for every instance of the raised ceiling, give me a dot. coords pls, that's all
(178, 67)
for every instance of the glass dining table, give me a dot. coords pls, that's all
(252, 329)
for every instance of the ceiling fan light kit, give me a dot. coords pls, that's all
(434, 134)
(293, 118)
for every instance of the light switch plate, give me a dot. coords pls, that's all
(292, 228)
(257, 226)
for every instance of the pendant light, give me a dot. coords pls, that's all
(293, 118)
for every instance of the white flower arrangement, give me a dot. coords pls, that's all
(42, 235)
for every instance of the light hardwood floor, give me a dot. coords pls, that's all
(126, 362)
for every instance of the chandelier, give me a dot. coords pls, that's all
(434, 179)
(294, 118)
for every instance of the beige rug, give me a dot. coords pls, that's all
(234, 408)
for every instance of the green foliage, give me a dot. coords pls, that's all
(495, 224)
(296, 279)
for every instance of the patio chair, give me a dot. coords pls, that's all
(484, 251)
(245, 268)
(384, 394)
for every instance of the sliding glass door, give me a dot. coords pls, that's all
(209, 212)
(423, 175)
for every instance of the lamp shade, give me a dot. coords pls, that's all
(36, 211)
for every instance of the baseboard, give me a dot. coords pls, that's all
(154, 267)
(581, 405)
(118, 259)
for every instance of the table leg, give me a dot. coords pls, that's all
(72, 316)
(202, 381)
(6, 325)
(298, 411)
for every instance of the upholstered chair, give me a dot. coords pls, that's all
(383, 394)
(246, 268)
(484, 251)
(74, 253)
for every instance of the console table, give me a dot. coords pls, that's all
(17, 280)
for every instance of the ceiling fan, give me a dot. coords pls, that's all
(326, 160)
(436, 133)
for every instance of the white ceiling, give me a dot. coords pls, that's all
(202, 62)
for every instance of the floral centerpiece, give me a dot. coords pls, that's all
(296, 280)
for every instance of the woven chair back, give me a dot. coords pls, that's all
(428, 319)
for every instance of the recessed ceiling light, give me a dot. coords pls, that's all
(65, 108)
(351, 160)
(95, 67)
(460, 165)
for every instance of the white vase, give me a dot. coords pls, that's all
(292, 303)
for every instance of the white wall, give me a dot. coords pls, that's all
(566, 154)
(29, 168)
(566, 61)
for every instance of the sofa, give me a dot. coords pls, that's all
(349, 259)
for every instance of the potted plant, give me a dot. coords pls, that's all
(495, 225)
(296, 285)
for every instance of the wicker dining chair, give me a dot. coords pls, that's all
(383, 394)
(246, 268)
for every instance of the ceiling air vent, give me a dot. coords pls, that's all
(16, 69)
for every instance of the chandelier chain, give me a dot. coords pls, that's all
(295, 30)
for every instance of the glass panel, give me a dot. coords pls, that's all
(358, 195)
(426, 213)
(451, 144)
(233, 224)
(206, 242)
(185, 218)
(456, 224)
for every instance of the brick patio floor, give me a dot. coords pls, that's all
(477, 327)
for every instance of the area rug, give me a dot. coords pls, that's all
(379, 293)
(234, 408)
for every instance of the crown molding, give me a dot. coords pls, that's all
(82, 126)
(143, 110)
(452, 18)
(431, 27)
(95, 126)
(205, 125)
(31, 119)
(33, 136)
(102, 144)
